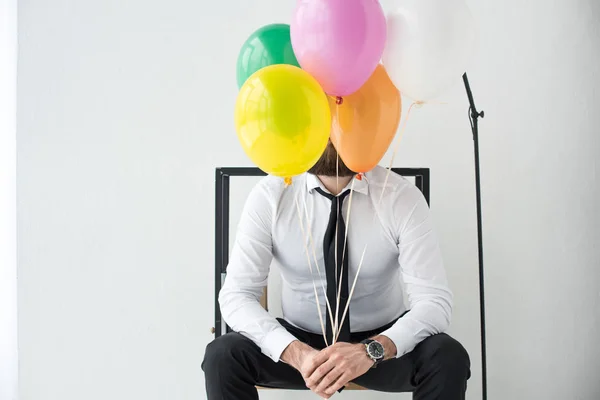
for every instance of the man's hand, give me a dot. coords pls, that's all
(297, 353)
(301, 356)
(335, 366)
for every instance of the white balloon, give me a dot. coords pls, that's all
(429, 44)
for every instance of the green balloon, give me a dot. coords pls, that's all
(269, 45)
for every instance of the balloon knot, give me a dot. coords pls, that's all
(359, 176)
(339, 100)
(287, 181)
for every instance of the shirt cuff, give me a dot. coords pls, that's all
(276, 342)
(404, 340)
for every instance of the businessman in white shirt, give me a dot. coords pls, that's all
(379, 342)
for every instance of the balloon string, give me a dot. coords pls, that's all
(314, 251)
(339, 291)
(352, 290)
(431, 103)
(310, 267)
(389, 169)
(396, 147)
(347, 221)
(337, 185)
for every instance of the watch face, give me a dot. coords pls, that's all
(375, 350)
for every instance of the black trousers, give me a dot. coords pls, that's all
(438, 368)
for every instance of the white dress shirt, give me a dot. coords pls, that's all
(401, 248)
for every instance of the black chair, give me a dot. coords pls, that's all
(222, 185)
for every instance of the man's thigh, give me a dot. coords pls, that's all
(394, 375)
(280, 375)
(244, 353)
(438, 355)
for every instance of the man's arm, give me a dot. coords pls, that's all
(247, 276)
(430, 299)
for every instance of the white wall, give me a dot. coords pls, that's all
(124, 110)
(8, 203)
(538, 79)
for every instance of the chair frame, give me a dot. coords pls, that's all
(222, 182)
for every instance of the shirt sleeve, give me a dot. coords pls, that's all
(430, 299)
(247, 276)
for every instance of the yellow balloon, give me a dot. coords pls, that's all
(283, 120)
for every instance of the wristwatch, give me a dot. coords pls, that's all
(375, 351)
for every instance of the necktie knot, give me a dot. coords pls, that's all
(340, 198)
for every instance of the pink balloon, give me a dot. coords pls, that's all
(339, 42)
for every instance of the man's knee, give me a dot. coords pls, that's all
(225, 351)
(446, 354)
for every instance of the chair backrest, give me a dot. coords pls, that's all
(222, 191)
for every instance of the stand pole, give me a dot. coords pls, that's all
(474, 115)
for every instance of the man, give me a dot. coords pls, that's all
(381, 345)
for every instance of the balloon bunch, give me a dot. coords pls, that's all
(336, 73)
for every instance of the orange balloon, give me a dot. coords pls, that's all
(364, 124)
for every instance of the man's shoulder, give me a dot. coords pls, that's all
(269, 182)
(273, 187)
(381, 178)
(397, 193)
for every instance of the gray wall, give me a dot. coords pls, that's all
(126, 107)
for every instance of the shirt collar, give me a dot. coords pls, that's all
(360, 186)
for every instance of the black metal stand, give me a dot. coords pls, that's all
(473, 118)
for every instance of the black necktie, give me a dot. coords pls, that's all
(332, 270)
